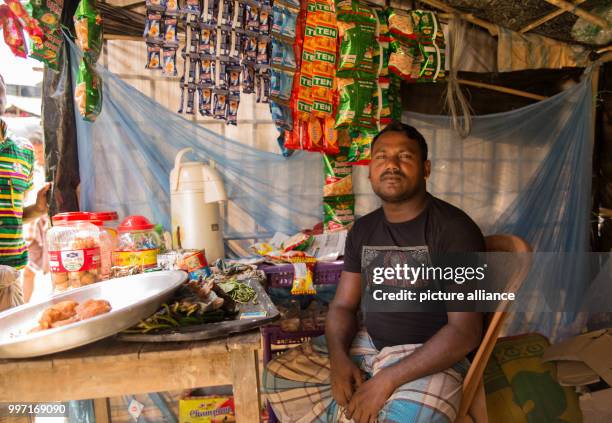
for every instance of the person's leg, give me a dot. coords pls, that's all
(297, 383)
(432, 399)
(27, 284)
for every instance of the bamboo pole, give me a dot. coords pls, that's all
(465, 16)
(569, 7)
(547, 18)
(111, 37)
(501, 89)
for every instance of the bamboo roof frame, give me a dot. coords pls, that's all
(547, 18)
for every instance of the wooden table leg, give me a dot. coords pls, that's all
(102, 410)
(245, 381)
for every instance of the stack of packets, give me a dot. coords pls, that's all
(13, 20)
(161, 35)
(417, 46)
(88, 28)
(284, 61)
(303, 250)
(227, 50)
(338, 198)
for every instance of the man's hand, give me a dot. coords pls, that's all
(41, 198)
(370, 398)
(346, 377)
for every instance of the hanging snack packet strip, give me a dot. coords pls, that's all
(324, 64)
(339, 212)
(338, 174)
(355, 108)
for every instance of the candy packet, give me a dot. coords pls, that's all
(234, 79)
(88, 91)
(338, 212)
(206, 99)
(232, 109)
(248, 79)
(88, 29)
(220, 104)
(208, 35)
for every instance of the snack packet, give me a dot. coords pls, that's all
(88, 91)
(206, 97)
(13, 33)
(338, 212)
(265, 19)
(169, 58)
(152, 33)
(297, 242)
(172, 8)
(331, 136)
(155, 5)
(220, 104)
(357, 46)
(170, 33)
(354, 11)
(192, 7)
(359, 152)
(355, 102)
(48, 20)
(153, 56)
(303, 277)
(338, 174)
(232, 109)
(248, 79)
(30, 24)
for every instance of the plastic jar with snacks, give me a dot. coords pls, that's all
(107, 244)
(74, 251)
(110, 221)
(138, 243)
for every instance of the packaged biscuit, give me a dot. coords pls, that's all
(88, 28)
(88, 91)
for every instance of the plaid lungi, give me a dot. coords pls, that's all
(297, 385)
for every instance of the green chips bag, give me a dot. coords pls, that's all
(360, 152)
(358, 47)
(356, 97)
(339, 212)
(88, 92)
(47, 14)
(88, 27)
(354, 11)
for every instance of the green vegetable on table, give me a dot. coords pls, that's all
(238, 291)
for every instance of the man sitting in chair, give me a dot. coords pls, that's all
(394, 366)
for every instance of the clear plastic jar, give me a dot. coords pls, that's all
(138, 243)
(74, 251)
(110, 221)
(107, 244)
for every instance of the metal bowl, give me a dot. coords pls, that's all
(132, 298)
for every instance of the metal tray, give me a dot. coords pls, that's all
(215, 330)
(132, 298)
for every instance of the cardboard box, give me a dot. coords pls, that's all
(209, 409)
(583, 359)
(597, 406)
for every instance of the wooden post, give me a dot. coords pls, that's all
(587, 16)
(245, 381)
(102, 410)
(502, 89)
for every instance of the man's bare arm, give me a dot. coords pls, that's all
(341, 323)
(448, 346)
(39, 208)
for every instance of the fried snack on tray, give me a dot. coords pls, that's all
(69, 311)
